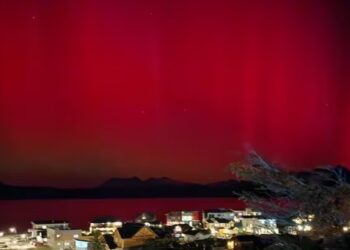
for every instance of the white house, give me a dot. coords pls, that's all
(220, 213)
(107, 224)
(253, 222)
(191, 218)
(62, 238)
(39, 228)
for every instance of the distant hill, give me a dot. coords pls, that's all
(124, 188)
(122, 183)
(153, 187)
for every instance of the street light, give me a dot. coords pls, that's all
(13, 230)
(2, 234)
(230, 244)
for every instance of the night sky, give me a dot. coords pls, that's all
(179, 88)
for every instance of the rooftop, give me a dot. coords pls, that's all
(105, 219)
(219, 210)
(218, 220)
(46, 222)
(129, 230)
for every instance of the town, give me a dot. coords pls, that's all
(208, 229)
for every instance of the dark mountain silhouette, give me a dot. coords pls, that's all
(135, 182)
(122, 183)
(165, 181)
(123, 188)
(150, 188)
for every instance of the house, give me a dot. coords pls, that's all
(253, 222)
(221, 228)
(191, 218)
(221, 222)
(148, 219)
(195, 235)
(39, 228)
(246, 212)
(106, 224)
(133, 235)
(220, 213)
(62, 237)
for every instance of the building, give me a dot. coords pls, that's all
(220, 213)
(253, 222)
(39, 228)
(107, 224)
(303, 225)
(220, 222)
(133, 235)
(246, 212)
(148, 219)
(221, 228)
(191, 218)
(62, 238)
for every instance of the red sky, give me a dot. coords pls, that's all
(95, 89)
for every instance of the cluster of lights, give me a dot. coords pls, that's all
(302, 223)
(236, 219)
(304, 228)
(231, 244)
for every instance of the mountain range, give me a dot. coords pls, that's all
(127, 188)
(136, 188)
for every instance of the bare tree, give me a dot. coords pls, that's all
(323, 194)
(96, 241)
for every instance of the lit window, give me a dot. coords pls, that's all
(81, 244)
(307, 228)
